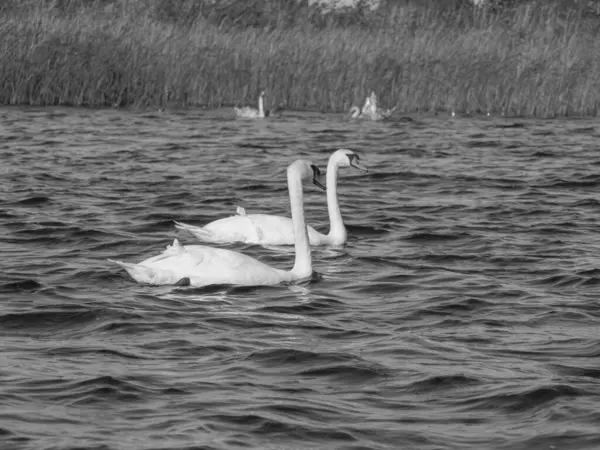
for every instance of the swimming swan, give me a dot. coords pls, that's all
(356, 113)
(253, 113)
(200, 265)
(267, 229)
(376, 112)
(370, 110)
(361, 113)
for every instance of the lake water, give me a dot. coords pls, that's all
(463, 313)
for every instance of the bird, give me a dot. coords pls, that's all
(370, 110)
(268, 229)
(252, 113)
(201, 265)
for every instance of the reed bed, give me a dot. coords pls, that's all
(533, 59)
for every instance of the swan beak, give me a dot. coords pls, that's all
(319, 184)
(354, 163)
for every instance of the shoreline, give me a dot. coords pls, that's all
(395, 118)
(541, 66)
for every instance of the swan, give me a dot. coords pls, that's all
(253, 113)
(267, 229)
(361, 113)
(356, 113)
(370, 110)
(200, 265)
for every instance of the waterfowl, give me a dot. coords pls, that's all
(267, 229)
(200, 265)
(356, 113)
(253, 113)
(361, 113)
(370, 110)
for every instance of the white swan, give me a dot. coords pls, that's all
(267, 229)
(252, 113)
(200, 265)
(356, 113)
(370, 110)
(361, 113)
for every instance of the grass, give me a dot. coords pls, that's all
(538, 58)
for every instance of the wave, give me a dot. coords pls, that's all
(461, 313)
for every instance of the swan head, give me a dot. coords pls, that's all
(347, 158)
(307, 172)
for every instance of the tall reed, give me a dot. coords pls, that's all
(536, 59)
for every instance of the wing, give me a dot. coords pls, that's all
(237, 228)
(246, 111)
(201, 265)
(260, 229)
(223, 266)
(279, 230)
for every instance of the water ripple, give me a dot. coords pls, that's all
(462, 313)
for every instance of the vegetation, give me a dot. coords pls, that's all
(535, 58)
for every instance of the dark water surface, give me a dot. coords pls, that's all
(462, 314)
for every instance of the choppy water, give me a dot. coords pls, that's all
(462, 314)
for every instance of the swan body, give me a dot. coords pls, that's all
(200, 265)
(253, 113)
(267, 229)
(370, 110)
(203, 265)
(263, 229)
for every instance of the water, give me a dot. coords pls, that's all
(462, 314)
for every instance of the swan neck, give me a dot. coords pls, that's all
(337, 230)
(302, 264)
(261, 106)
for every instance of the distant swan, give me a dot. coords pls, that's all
(361, 113)
(356, 113)
(200, 265)
(253, 113)
(267, 229)
(370, 110)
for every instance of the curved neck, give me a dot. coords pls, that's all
(261, 106)
(355, 112)
(302, 264)
(367, 105)
(337, 230)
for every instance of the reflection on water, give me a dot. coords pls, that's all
(462, 313)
